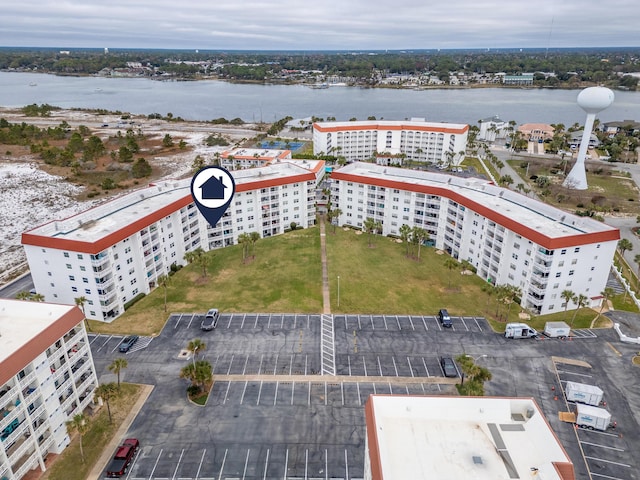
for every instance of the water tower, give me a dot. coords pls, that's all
(592, 100)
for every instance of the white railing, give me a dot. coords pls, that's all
(626, 286)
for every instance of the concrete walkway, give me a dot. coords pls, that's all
(326, 298)
(109, 449)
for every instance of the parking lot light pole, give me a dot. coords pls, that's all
(338, 290)
(475, 359)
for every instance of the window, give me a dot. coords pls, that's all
(571, 272)
(561, 264)
(514, 256)
(593, 268)
(79, 256)
(574, 261)
(74, 289)
(563, 251)
(69, 266)
(558, 275)
(576, 250)
(85, 280)
(82, 268)
(87, 291)
(66, 254)
(72, 278)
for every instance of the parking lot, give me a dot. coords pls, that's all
(271, 414)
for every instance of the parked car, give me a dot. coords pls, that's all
(445, 319)
(210, 320)
(127, 343)
(449, 367)
(123, 457)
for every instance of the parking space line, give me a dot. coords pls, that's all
(255, 324)
(260, 367)
(346, 465)
(608, 461)
(308, 320)
(325, 393)
(269, 322)
(246, 463)
(286, 464)
(230, 320)
(364, 363)
(599, 433)
(178, 321)
(425, 367)
(384, 319)
(359, 324)
(411, 322)
(175, 472)
(191, 318)
(115, 348)
(266, 464)
(379, 366)
(602, 446)
(395, 367)
(373, 327)
(293, 389)
(306, 463)
(309, 395)
(424, 322)
(398, 322)
(155, 465)
(390, 389)
(410, 367)
(106, 341)
(135, 459)
(259, 393)
(349, 364)
(374, 388)
(200, 465)
(245, 365)
(229, 369)
(224, 459)
(574, 373)
(359, 398)
(242, 324)
(226, 394)
(275, 396)
(326, 465)
(295, 320)
(243, 392)
(423, 390)
(605, 476)
(305, 364)
(479, 327)
(291, 365)
(464, 323)
(275, 365)
(282, 322)
(342, 391)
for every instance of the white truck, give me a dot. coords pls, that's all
(519, 330)
(583, 393)
(591, 417)
(556, 329)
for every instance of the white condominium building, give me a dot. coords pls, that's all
(46, 377)
(238, 158)
(116, 251)
(510, 238)
(417, 140)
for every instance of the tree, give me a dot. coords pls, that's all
(141, 168)
(167, 141)
(244, 239)
(31, 297)
(199, 373)
(203, 261)
(369, 226)
(198, 164)
(474, 374)
(607, 293)
(418, 235)
(505, 180)
(78, 423)
(196, 346)
(254, 236)
(624, 245)
(636, 259)
(117, 366)
(450, 263)
(164, 281)
(405, 231)
(80, 301)
(567, 296)
(334, 214)
(581, 302)
(106, 391)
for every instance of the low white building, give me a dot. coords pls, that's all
(492, 128)
(239, 158)
(417, 140)
(46, 377)
(453, 438)
(508, 237)
(116, 251)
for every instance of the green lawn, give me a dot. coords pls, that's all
(286, 276)
(69, 465)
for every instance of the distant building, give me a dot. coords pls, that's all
(534, 132)
(443, 437)
(576, 138)
(239, 158)
(629, 127)
(525, 79)
(492, 128)
(46, 377)
(420, 141)
(116, 251)
(508, 237)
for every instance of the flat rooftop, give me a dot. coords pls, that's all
(22, 321)
(105, 219)
(389, 124)
(263, 154)
(536, 215)
(451, 438)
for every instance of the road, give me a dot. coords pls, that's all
(21, 284)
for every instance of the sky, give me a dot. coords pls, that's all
(320, 24)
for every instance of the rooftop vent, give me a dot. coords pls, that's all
(477, 460)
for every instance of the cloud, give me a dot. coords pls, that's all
(323, 24)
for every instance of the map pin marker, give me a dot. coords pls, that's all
(212, 189)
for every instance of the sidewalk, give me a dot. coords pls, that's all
(326, 298)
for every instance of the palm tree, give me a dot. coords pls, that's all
(512, 292)
(418, 235)
(335, 214)
(369, 226)
(23, 295)
(624, 245)
(199, 373)
(607, 293)
(164, 281)
(451, 264)
(567, 296)
(244, 239)
(581, 302)
(254, 236)
(80, 301)
(37, 297)
(117, 366)
(106, 391)
(196, 346)
(405, 231)
(78, 423)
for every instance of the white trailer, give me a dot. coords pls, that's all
(591, 417)
(519, 330)
(583, 393)
(556, 329)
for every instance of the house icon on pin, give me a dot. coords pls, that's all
(213, 189)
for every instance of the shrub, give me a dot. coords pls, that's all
(134, 300)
